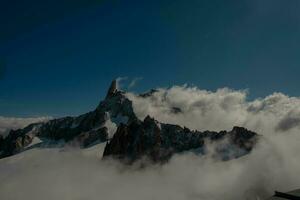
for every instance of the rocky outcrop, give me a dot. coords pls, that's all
(16, 140)
(159, 141)
(112, 89)
(87, 139)
(136, 140)
(1, 140)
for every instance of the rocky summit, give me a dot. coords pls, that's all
(133, 138)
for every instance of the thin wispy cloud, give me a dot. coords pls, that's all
(120, 81)
(134, 82)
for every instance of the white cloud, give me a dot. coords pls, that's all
(290, 120)
(219, 110)
(81, 174)
(134, 82)
(8, 123)
(127, 83)
(119, 81)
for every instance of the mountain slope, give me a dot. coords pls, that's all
(83, 130)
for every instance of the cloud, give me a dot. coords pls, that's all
(289, 121)
(219, 110)
(134, 82)
(8, 123)
(123, 82)
(120, 80)
(81, 174)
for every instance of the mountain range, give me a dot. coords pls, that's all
(127, 137)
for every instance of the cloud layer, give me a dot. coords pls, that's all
(81, 174)
(73, 174)
(219, 110)
(8, 123)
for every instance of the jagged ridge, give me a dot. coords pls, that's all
(159, 141)
(84, 130)
(133, 139)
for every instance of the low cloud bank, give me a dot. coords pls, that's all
(81, 174)
(9, 123)
(73, 174)
(220, 110)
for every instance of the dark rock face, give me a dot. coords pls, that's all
(86, 139)
(159, 141)
(112, 89)
(136, 140)
(1, 140)
(66, 129)
(17, 140)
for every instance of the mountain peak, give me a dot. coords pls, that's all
(112, 89)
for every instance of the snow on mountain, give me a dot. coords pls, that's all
(115, 117)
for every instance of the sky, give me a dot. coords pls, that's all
(58, 58)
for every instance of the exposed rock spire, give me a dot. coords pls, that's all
(112, 89)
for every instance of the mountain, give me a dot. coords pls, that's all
(83, 130)
(133, 138)
(159, 141)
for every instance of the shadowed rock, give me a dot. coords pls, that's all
(159, 141)
(112, 89)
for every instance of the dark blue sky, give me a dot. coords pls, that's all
(58, 57)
